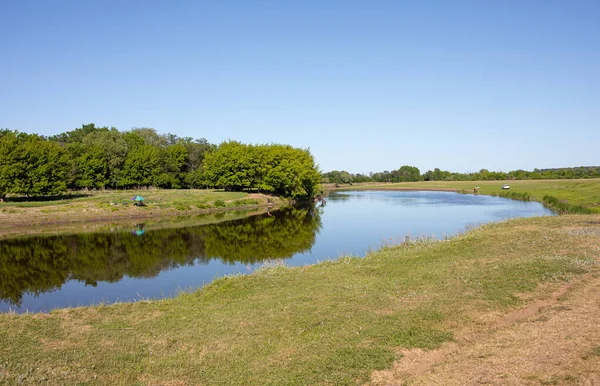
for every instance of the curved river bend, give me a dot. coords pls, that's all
(45, 272)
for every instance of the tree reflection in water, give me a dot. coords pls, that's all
(42, 264)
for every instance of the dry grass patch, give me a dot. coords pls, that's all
(549, 347)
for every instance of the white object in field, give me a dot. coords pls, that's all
(505, 187)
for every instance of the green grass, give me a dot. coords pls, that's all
(32, 203)
(330, 323)
(99, 210)
(243, 202)
(563, 207)
(559, 206)
(153, 197)
(593, 353)
(522, 196)
(565, 196)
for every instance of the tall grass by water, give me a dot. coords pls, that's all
(521, 196)
(563, 207)
(559, 206)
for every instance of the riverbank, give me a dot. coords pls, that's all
(94, 210)
(564, 196)
(390, 317)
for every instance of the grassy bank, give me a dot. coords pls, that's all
(565, 196)
(330, 323)
(24, 216)
(128, 224)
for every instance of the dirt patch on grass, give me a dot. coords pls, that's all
(413, 362)
(531, 309)
(547, 342)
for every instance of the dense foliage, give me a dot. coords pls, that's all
(278, 169)
(31, 165)
(410, 174)
(93, 157)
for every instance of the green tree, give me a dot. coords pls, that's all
(92, 169)
(133, 139)
(289, 171)
(193, 176)
(409, 173)
(150, 136)
(232, 166)
(115, 148)
(10, 162)
(173, 161)
(279, 169)
(77, 135)
(42, 167)
(142, 167)
(358, 178)
(338, 177)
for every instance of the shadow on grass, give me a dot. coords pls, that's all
(46, 198)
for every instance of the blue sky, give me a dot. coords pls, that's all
(366, 85)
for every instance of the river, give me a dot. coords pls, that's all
(40, 273)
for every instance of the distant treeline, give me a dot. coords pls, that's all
(93, 157)
(410, 173)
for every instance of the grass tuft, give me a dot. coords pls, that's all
(521, 196)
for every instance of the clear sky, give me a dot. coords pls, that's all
(366, 85)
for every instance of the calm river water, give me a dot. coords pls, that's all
(45, 272)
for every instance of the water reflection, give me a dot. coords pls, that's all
(37, 265)
(138, 230)
(146, 261)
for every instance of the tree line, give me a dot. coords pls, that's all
(408, 173)
(92, 157)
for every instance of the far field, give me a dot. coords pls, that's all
(21, 215)
(585, 192)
